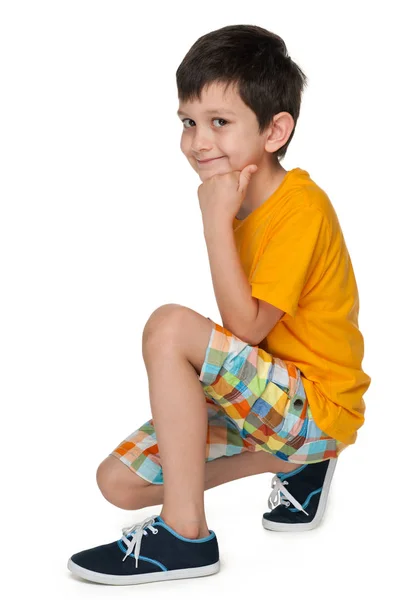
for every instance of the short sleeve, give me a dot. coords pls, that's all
(296, 245)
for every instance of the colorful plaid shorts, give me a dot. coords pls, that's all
(255, 401)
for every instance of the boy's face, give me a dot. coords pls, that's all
(229, 134)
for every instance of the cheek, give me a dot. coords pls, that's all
(185, 145)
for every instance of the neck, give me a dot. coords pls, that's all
(262, 185)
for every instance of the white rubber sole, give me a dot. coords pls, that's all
(273, 526)
(145, 577)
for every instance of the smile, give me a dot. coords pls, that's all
(205, 162)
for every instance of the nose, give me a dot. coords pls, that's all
(201, 142)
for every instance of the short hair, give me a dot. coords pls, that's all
(252, 60)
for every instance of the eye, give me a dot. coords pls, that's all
(214, 119)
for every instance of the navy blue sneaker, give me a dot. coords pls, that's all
(160, 554)
(298, 499)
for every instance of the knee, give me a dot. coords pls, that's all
(116, 483)
(162, 326)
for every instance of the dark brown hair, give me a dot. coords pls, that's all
(252, 60)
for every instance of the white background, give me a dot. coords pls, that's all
(100, 224)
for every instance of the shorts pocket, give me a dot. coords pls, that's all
(294, 423)
(275, 413)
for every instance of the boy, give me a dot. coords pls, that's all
(279, 387)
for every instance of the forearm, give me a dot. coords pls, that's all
(232, 290)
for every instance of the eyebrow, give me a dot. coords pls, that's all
(211, 111)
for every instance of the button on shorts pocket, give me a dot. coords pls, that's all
(294, 423)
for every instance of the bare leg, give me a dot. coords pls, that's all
(129, 491)
(180, 419)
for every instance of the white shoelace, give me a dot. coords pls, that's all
(138, 529)
(275, 498)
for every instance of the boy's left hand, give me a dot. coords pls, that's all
(221, 196)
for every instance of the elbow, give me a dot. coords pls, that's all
(244, 336)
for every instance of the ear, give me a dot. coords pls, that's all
(267, 317)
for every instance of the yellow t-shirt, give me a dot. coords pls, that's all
(294, 254)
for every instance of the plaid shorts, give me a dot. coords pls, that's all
(255, 401)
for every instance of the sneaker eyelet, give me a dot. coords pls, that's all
(154, 532)
(298, 404)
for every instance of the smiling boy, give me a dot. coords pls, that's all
(278, 386)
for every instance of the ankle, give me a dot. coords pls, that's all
(189, 528)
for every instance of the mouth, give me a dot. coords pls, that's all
(210, 160)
